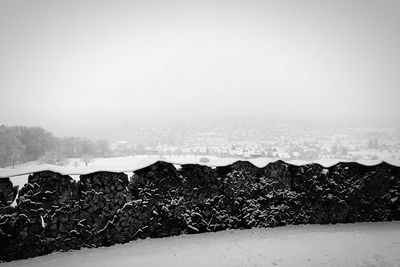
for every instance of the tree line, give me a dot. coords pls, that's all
(20, 144)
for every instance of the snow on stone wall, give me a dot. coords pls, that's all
(132, 164)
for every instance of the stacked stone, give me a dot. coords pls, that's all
(242, 195)
(239, 184)
(257, 197)
(380, 188)
(158, 190)
(41, 202)
(56, 213)
(349, 192)
(202, 192)
(104, 197)
(8, 192)
(321, 194)
(278, 174)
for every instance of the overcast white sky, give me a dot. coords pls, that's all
(72, 63)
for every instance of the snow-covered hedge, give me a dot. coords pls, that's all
(54, 212)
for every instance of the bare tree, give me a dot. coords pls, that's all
(17, 153)
(54, 158)
(103, 148)
(11, 150)
(86, 159)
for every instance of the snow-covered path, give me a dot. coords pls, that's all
(361, 244)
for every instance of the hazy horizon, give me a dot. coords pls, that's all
(79, 66)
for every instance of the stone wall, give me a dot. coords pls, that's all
(56, 213)
(8, 192)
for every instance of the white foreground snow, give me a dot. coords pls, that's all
(361, 244)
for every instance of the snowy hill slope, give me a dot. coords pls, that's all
(360, 244)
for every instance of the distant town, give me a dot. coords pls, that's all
(249, 140)
(246, 140)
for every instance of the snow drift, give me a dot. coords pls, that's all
(345, 245)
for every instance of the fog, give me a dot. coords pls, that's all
(75, 65)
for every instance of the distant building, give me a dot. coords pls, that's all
(373, 143)
(283, 155)
(120, 145)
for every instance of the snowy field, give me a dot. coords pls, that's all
(360, 244)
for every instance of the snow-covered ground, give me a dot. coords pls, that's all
(360, 244)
